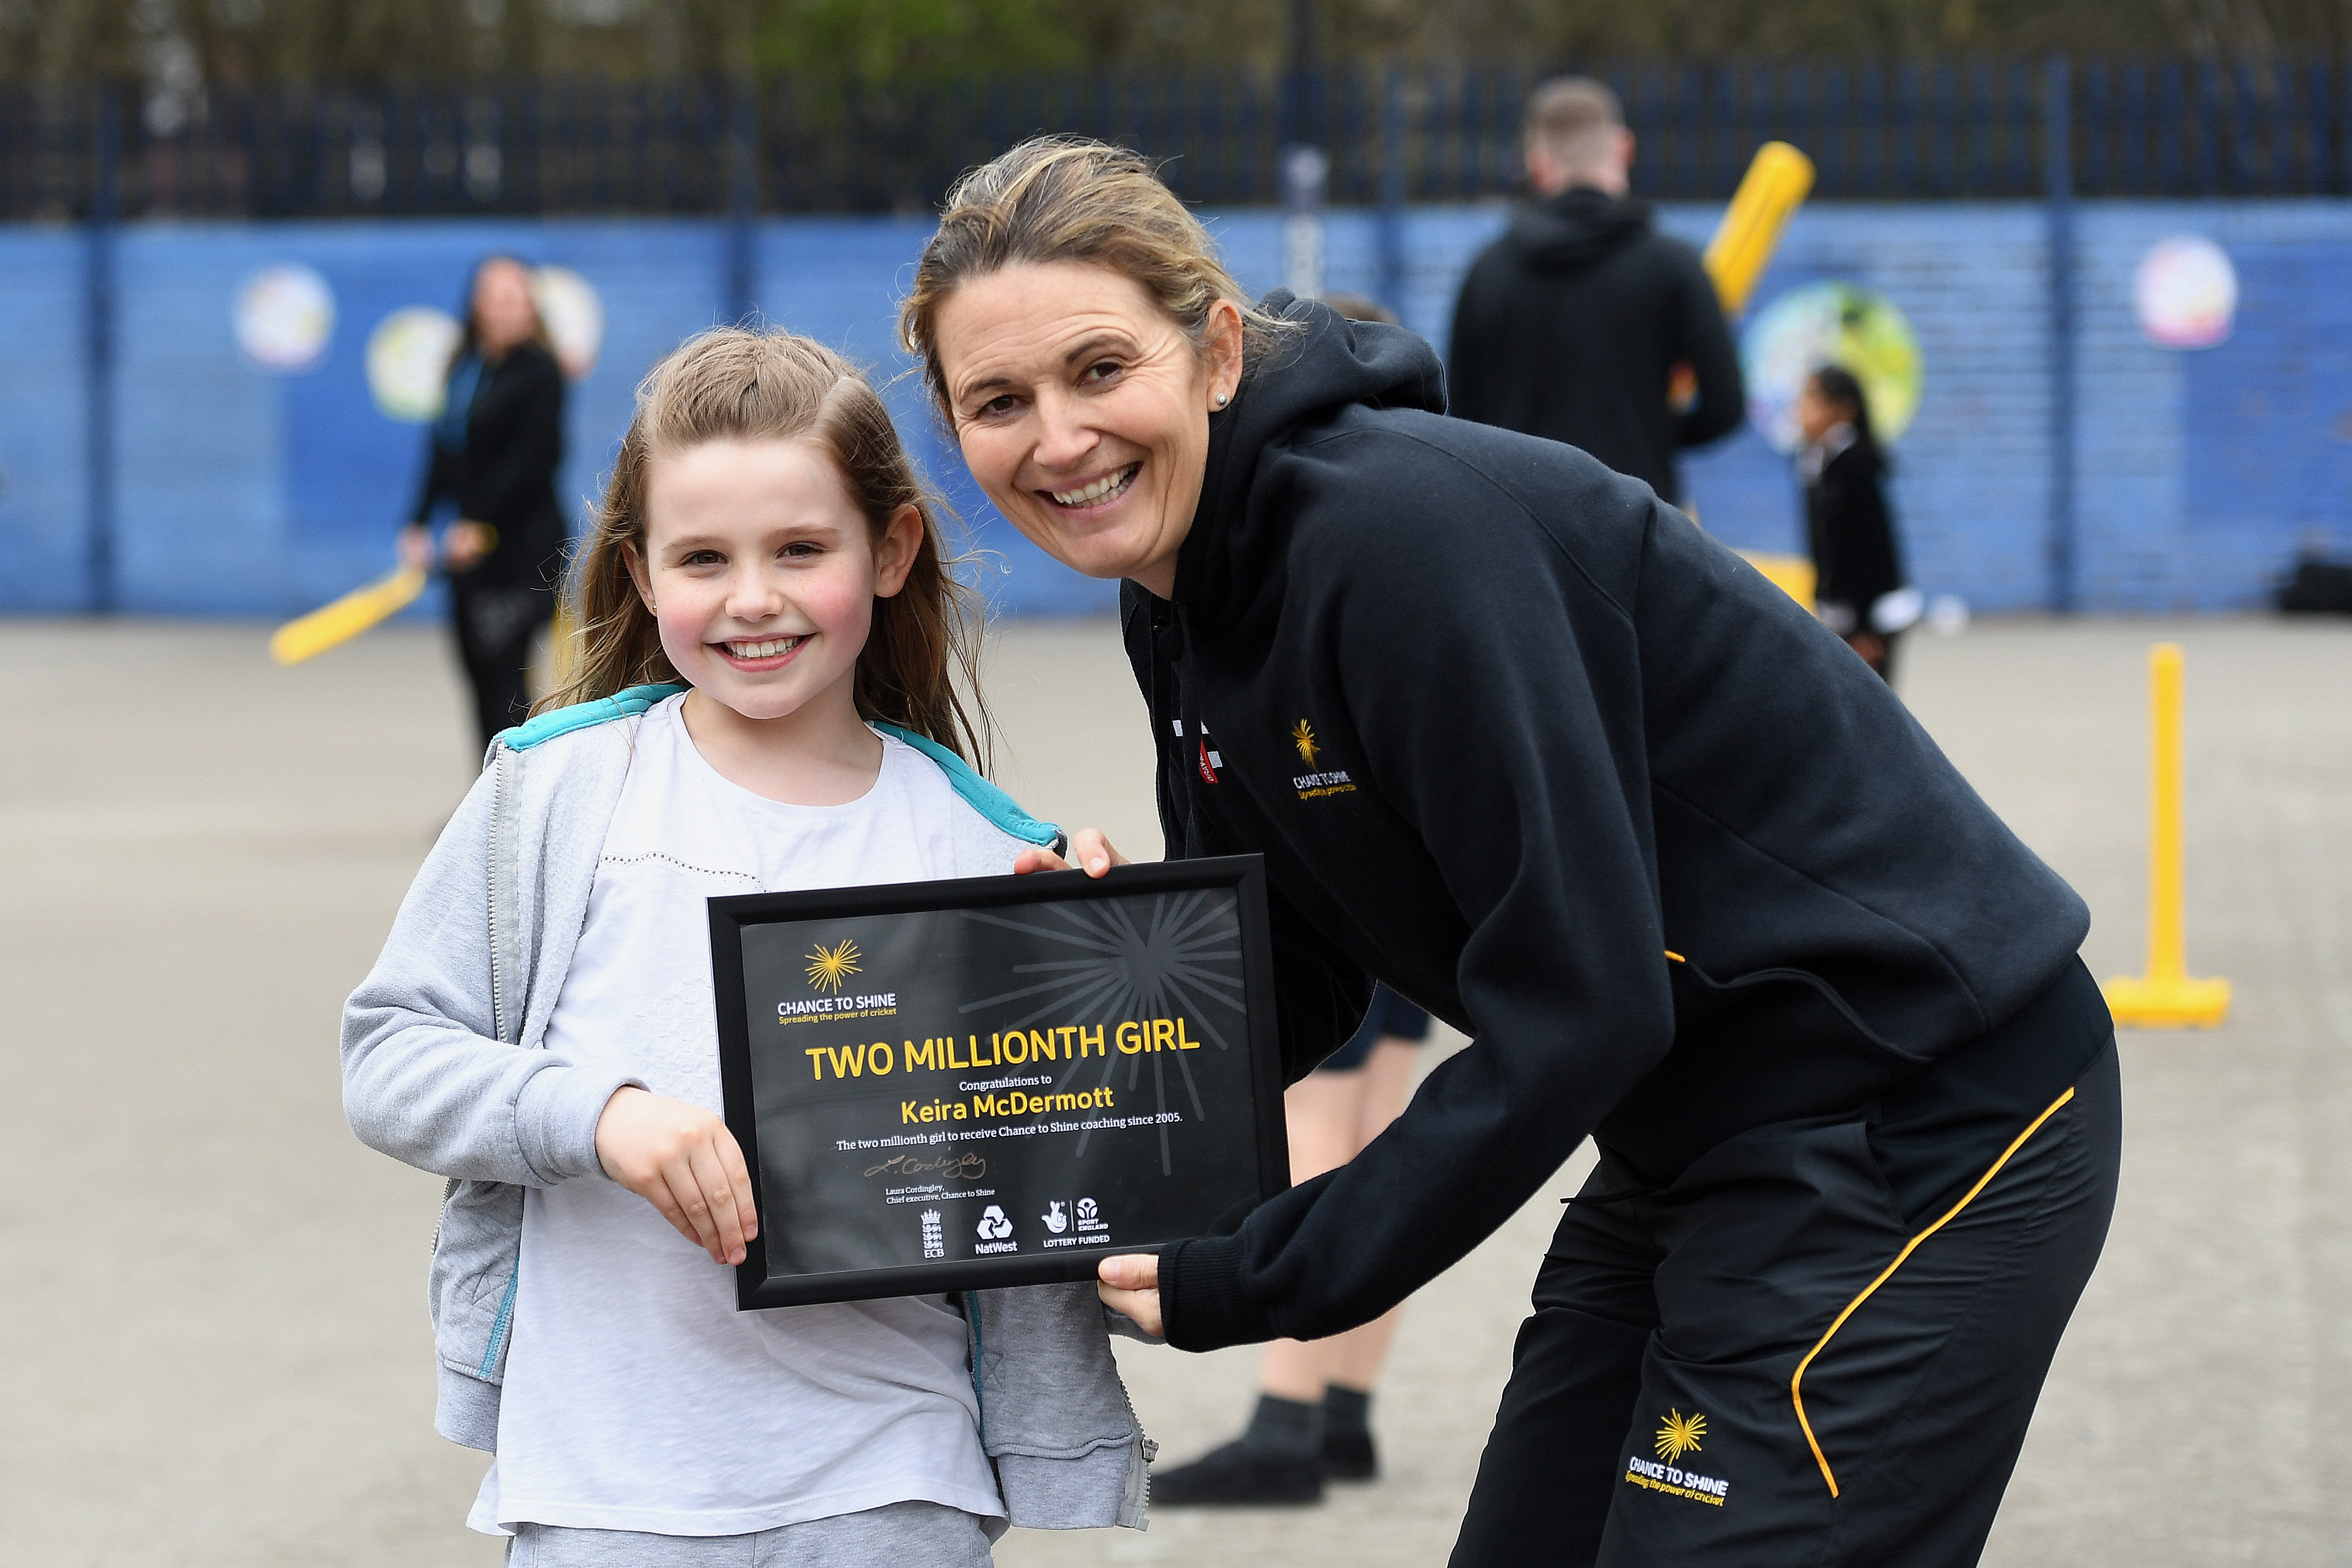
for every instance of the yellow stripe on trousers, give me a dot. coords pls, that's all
(1797, 1380)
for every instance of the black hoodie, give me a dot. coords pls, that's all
(1570, 326)
(1518, 737)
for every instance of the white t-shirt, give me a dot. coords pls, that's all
(636, 1396)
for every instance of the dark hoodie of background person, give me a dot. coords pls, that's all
(1570, 326)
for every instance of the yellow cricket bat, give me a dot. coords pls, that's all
(1776, 183)
(330, 625)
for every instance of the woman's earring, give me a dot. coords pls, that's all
(1221, 400)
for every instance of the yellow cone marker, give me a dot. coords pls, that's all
(1776, 180)
(332, 624)
(2164, 998)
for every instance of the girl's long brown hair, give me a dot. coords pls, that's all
(733, 385)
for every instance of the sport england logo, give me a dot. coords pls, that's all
(829, 966)
(1090, 1215)
(1678, 1435)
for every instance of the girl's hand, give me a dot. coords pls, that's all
(1130, 1285)
(1090, 851)
(681, 1159)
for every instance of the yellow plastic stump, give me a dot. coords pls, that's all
(2165, 997)
(330, 625)
(1791, 574)
(1776, 180)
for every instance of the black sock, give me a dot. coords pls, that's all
(1347, 1411)
(1285, 1428)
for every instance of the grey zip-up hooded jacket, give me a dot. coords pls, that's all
(445, 1067)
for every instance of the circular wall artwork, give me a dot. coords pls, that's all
(2186, 293)
(408, 362)
(285, 319)
(1830, 324)
(573, 315)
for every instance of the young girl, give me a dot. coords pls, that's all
(764, 703)
(1859, 592)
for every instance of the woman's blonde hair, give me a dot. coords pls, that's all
(734, 385)
(1069, 198)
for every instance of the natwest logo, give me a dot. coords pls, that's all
(995, 1231)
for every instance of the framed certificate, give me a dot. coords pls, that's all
(945, 1085)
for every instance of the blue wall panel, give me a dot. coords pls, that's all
(240, 492)
(44, 503)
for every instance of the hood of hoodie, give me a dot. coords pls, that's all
(1574, 229)
(1328, 365)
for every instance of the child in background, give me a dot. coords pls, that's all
(763, 703)
(1859, 592)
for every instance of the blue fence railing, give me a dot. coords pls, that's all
(1877, 131)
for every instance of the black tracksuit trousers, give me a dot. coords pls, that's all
(1818, 1346)
(495, 625)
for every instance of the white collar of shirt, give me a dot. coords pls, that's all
(1817, 456)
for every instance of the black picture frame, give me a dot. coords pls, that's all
(735, 920)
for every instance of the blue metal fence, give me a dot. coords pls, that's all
(1877, 131)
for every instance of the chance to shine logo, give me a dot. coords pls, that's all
(1302, 735)
(1680, 1435)
(829, 966)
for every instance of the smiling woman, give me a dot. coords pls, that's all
(1518, 738)
(1093, 333)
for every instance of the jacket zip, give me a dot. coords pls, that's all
(490, 895)
(498, 1005)
(498, 1029)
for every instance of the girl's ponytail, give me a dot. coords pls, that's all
(733, 385)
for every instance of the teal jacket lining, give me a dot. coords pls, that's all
(999, 808)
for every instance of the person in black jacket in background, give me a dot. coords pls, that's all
(1514, 736)
(1858, 588)
(1571, 326)
(492, 455)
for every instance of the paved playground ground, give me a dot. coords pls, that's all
(213, 1344)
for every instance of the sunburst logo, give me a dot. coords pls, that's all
(829, 966)
(1302, 735)
(1680, 1435)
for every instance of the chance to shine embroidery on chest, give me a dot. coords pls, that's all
(1318, 781)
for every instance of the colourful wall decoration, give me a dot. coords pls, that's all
(408, 362)
(285, 319)
(1830, 323)
(2186, 292)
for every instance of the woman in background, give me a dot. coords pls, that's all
(492, 457)
(1859, 592)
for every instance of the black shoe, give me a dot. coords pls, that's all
(1238, 1476)
(1349, 1455)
